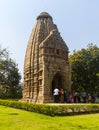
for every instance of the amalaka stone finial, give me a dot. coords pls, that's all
(44, 15)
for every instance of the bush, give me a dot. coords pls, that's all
(52, 110)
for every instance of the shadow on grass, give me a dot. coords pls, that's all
(13, 114)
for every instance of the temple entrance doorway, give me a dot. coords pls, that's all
(57, 82)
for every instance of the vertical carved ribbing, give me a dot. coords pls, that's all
(32, 61)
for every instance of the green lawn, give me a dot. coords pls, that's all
(14, 119)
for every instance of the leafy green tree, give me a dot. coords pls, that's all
(85, 67)
(9, 76)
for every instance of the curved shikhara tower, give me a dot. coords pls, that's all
(46, 63)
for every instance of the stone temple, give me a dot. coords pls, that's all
(46, 64)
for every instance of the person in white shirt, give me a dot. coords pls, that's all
(56, 95)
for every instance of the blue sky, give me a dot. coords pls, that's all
(77, 21)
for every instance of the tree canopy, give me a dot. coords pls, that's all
(9, 76)
(85, 69)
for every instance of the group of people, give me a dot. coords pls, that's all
(63, 96)
(60, 96)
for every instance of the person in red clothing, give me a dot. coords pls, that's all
(62, 95)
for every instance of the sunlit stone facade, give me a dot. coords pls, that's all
(46, 63)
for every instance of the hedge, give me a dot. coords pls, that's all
(53, 109)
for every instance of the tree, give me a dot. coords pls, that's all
(85, 67)
(9, 76)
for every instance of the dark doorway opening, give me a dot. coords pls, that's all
(57, 82)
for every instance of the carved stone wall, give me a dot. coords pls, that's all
(46, 63)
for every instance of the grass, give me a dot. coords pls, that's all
(14, 119)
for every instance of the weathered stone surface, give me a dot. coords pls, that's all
(46, 63)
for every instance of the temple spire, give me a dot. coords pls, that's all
(46, 62)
